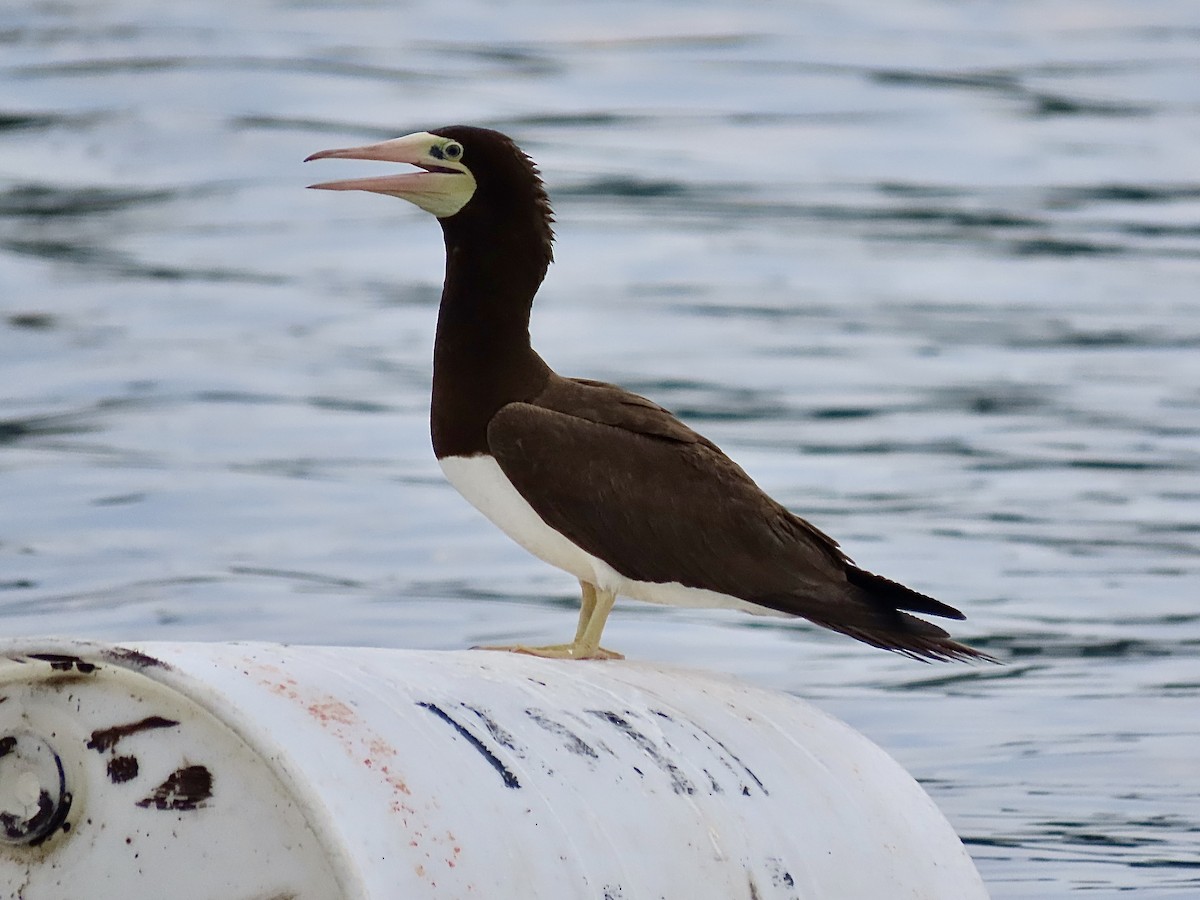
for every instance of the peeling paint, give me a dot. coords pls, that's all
(185, 789)
(128, 656)
(107, 738)
(122, 768)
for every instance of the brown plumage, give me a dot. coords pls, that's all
(634, 486)
(652, 505)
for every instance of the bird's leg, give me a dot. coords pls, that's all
(594, 607)
(587, 638)
(587, 605)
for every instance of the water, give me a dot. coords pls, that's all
(928, 270)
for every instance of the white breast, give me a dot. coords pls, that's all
(481, 480)
(484, 484)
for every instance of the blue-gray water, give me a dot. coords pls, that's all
(930, 271)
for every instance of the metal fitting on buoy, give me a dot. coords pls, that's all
(34, 795)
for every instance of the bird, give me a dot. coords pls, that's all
(598, 481)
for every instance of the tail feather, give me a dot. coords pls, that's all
(911, 637)
(898, 596)
(875, 610)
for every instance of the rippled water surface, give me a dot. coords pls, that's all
(930, 271)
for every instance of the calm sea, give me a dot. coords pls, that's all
(930, 271)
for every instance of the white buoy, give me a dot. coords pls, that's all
(264, 772)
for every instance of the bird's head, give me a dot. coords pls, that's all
(444, 185)
(467, 174)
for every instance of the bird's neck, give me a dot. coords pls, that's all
(482, 356)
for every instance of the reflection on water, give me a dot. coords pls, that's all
(929, 272)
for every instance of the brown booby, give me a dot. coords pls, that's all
(589, 477)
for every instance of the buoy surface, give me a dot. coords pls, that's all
(320, 773)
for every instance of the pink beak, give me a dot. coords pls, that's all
(411, 149)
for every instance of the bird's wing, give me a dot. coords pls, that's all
(630, 484)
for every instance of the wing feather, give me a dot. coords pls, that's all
(632, 485)
(624, 479)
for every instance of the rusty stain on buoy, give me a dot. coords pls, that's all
(185, 789)
(107, 738)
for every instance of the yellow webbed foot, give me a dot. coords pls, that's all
(559, 651)
(593, 613)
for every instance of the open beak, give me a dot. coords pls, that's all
(412, 149)
(439, 186)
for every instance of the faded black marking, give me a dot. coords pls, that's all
(737, 759)
(780, 876)
(107, 738)
(754, 894)
(573, 742)
(185, 789)
(62, 662)
(724, 749)
(510, 780)
(715, 786)
(122, 769)
(680, 783)
(501, 735)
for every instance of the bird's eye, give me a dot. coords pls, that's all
(453, 150)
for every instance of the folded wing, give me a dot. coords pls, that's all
(632, 485)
